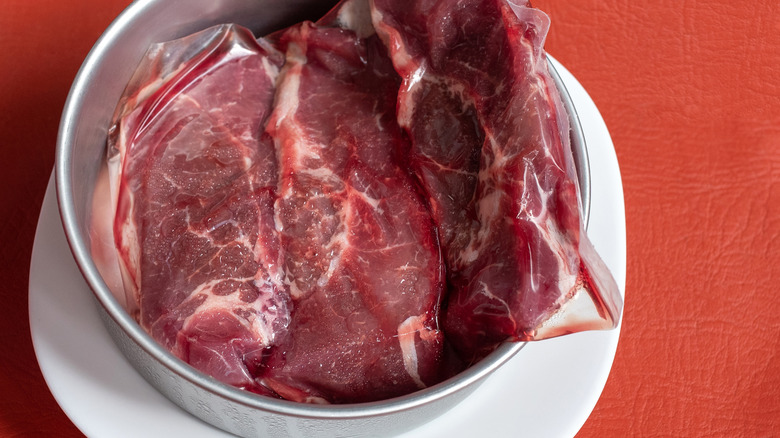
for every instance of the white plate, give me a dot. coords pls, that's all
(548, 389)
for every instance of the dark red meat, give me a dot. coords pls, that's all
(195, 223)
(362, 258)
(491, 147)
(277, 230)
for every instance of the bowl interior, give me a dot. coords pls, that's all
(81, 152)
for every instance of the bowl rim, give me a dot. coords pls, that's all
(67, 134)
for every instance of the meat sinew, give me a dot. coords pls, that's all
(491, 147)
(362, 258)
(195, 185)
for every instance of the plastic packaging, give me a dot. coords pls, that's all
(248, 210)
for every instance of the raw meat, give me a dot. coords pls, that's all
(277, 229)
(195, 180)
(491, 148)
(362, 258)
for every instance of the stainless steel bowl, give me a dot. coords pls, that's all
(80, 154)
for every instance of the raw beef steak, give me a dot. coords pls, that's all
(196, 183)
(491, 147)
(362, 259)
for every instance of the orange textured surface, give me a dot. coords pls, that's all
(691, 93)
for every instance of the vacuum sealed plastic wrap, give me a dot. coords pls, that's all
(353, 209)
(361, 253)
(491, 147)
(195, 180)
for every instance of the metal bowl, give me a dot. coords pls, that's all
(80, 155)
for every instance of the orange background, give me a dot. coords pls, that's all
(691, 93)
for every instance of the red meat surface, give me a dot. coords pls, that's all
(296, 218)
(194, 225)
(362, 258)
(490, 144)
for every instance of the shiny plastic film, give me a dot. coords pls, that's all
(500, 174)
(353, 209)
(195, 176)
